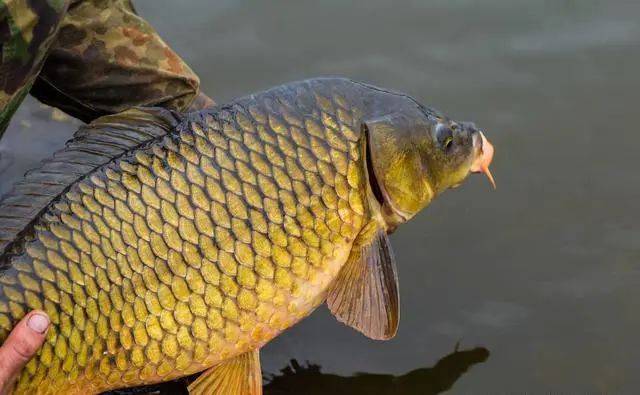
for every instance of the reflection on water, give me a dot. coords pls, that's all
(545, 271)
(308, 379)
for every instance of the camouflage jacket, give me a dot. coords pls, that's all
(88, 58)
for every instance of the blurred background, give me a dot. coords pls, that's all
(542, 274)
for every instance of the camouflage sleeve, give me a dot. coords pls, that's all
(27, 30)
(106, 59)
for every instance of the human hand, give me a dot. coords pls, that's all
(21, 345)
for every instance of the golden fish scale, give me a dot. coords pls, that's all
(196, 248)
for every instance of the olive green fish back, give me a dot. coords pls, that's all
(92, 146)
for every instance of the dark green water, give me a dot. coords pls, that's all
(544, 272)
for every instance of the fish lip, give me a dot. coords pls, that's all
(482, 159)
(477, 142)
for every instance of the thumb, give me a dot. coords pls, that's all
(22, 344)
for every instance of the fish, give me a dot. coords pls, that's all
(162, 244)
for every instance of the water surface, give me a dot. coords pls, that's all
(544, 272)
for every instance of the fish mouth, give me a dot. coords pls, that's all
(392, 215)
(484, 155)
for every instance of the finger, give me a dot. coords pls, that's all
(22, 344)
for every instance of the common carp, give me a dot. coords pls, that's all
(164, 244)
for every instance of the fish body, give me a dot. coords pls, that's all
(168, 254)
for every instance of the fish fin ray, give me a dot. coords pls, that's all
(92, 146)
(365, 294)
(239, 376)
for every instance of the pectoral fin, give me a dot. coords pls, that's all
(238, 376)
(365, 294)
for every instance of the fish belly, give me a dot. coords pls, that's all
(194, 248)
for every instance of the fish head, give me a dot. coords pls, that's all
(415, 153)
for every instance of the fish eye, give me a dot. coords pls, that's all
(444, 135)
(448, 142)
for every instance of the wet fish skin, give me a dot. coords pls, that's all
(177, 243)
(194, 248)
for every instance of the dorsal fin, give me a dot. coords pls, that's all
(92, 146)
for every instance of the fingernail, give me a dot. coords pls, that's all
(38, 322)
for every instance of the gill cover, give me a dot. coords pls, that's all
(395, 144)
